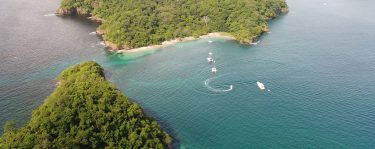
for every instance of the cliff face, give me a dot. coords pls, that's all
(62, 11)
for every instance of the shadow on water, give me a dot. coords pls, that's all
(80, 19)
(114, 57)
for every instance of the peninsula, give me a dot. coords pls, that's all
(86, 111)
(128, 24)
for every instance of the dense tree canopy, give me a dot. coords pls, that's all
(136, 23)
(86, 111)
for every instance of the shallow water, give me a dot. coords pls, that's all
(318, 62)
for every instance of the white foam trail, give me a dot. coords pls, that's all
(255, 43)
(92, 33)
(50, 15)
(207, 84)
(102, 43)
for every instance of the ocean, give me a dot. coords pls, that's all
(317, 63)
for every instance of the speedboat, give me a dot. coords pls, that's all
(214, 70)
(261, 85)
(209, 58)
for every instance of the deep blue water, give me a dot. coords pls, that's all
(318, 62)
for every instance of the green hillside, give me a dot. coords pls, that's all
(132, 23)
(86, 111)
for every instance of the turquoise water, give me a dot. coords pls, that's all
(318, 62)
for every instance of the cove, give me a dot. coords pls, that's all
(318, 61)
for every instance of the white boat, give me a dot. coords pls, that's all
(210, 41)
(214, 70)
(261, 85)
(209, 58)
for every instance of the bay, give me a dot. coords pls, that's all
(318, 62)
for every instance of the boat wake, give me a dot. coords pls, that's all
(92, 33)
(255, 43)
(102, 43)
(218, 90)
(50, 15)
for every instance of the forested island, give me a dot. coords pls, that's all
(86, 111)
(128, 24)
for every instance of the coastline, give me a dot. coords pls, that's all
(174, 41)
(118, 48)
(125, 49)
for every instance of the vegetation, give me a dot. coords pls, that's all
(132, 23)
(86, 111)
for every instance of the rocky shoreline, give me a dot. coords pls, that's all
(123, 48)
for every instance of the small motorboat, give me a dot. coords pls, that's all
(210, 59)
(261, 85)
(214, 70)
(210, 41)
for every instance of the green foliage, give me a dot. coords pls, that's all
(135, 23)
(9, 126)
(86, 111)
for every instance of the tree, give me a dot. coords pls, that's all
(9, 126)
(132, 24)
(86, 111)
(206, 19)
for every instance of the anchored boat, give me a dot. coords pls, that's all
(210, 59)
(214, 70)
(261, 85)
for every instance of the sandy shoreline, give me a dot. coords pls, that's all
(171, 42)
(123, 49)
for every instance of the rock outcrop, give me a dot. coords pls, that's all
(62, 11)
